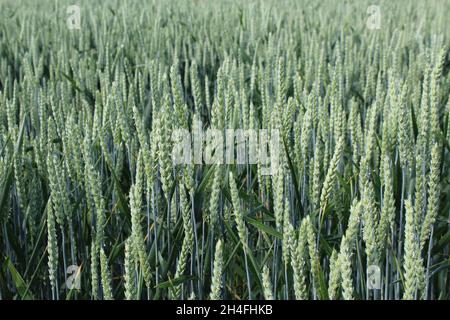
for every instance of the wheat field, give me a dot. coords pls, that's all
(349, 101)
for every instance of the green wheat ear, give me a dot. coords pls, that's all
(105, 276)
(129, 275)
(52, 247)
(216, 281)
(267, 285)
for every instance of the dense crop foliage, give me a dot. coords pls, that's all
(92, 205)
